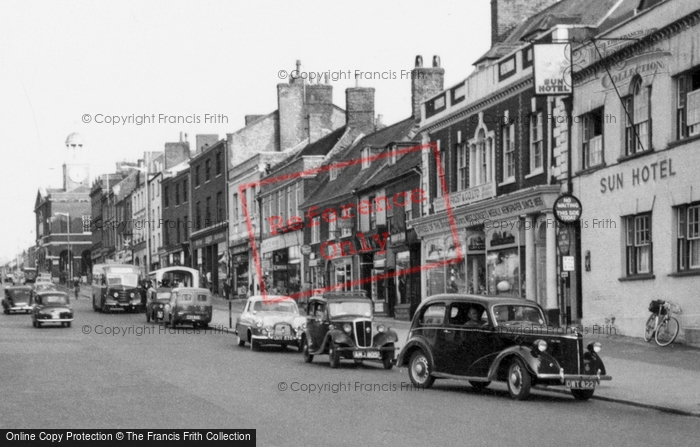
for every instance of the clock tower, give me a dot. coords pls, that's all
(75, 171)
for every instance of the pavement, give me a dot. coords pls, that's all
(643, 374)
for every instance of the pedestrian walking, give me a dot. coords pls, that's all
(76, 287)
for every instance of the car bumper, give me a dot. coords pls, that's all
(19, 309)
(563, 378)
(54, 320)
(287, 339)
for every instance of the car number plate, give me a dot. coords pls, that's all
(283, 337)
(193, 317)
(581, 384)
(366, 354)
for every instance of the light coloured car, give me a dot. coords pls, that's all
(270, 319)
(188, 305)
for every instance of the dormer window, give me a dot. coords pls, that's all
(333, 173)
(365, 158)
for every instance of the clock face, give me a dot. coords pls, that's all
(77, 174)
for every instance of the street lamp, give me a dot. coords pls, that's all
(70, 251)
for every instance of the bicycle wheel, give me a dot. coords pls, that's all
(667, 332)
(649, 329)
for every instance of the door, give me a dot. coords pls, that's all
(317, 324)
(432, 327)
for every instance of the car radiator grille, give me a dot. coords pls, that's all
(363, 333)
(282, 329)
(566, 352)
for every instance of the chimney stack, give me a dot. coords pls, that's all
(425, 82)
(359, 109)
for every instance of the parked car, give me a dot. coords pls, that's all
(269, 320)
(155, 305)
(507, 339)
(52, 306)
(17, 299)
(340, 324)
(188, 305)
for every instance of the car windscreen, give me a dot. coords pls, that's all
(20, 295)
(350, 308)
(55, 299)
(518, 315)
(286, 306)
(123, 279)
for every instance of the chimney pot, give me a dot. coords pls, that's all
(436, 61)
(419, 61)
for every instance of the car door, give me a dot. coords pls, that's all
(169, 310)
(317, 324)
(431, 328)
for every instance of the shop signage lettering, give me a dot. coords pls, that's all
(239, 249)
(510, 209)
(471, 195)
(504, 238)
(567, 209)
(209, 240)
(651, 172)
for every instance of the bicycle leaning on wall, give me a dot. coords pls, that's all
(661, 325)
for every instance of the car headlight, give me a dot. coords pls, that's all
(381, 328)
(116, 295)
(540, 345)
(347, 328)
(595, 347)
(258, 324)
(132, 295)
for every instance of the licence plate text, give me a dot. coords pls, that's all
(581, 384)
(366, 354)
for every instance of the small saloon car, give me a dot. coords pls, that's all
(188, 305)
(482, 339)
(52, 307)
(17, 299)
(269, 320)
(340, 324)
(156, 304)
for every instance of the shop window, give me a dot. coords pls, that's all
(316, 230)
(688, 237)
(638, 244)
(536, 143)
(637, 118)
(688, 104)
(508, 152)
(462, 167)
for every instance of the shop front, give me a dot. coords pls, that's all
(403, 268)
(240, 268)
(209, 254)
(491, 248)
(282, 263)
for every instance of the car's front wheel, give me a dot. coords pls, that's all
(308, 358)
(388, 358)
(582, 394)
(333, 355)
(420, 370)
(241, 341)
(519, 380)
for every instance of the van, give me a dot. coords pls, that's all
(188, 305)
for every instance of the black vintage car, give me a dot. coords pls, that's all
(340, 324)
(17, 299)
(482, 339)
(52, 307)
(156, 303)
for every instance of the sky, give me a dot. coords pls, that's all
(62, 61)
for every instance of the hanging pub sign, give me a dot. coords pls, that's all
(567, 209)
(552, 69)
